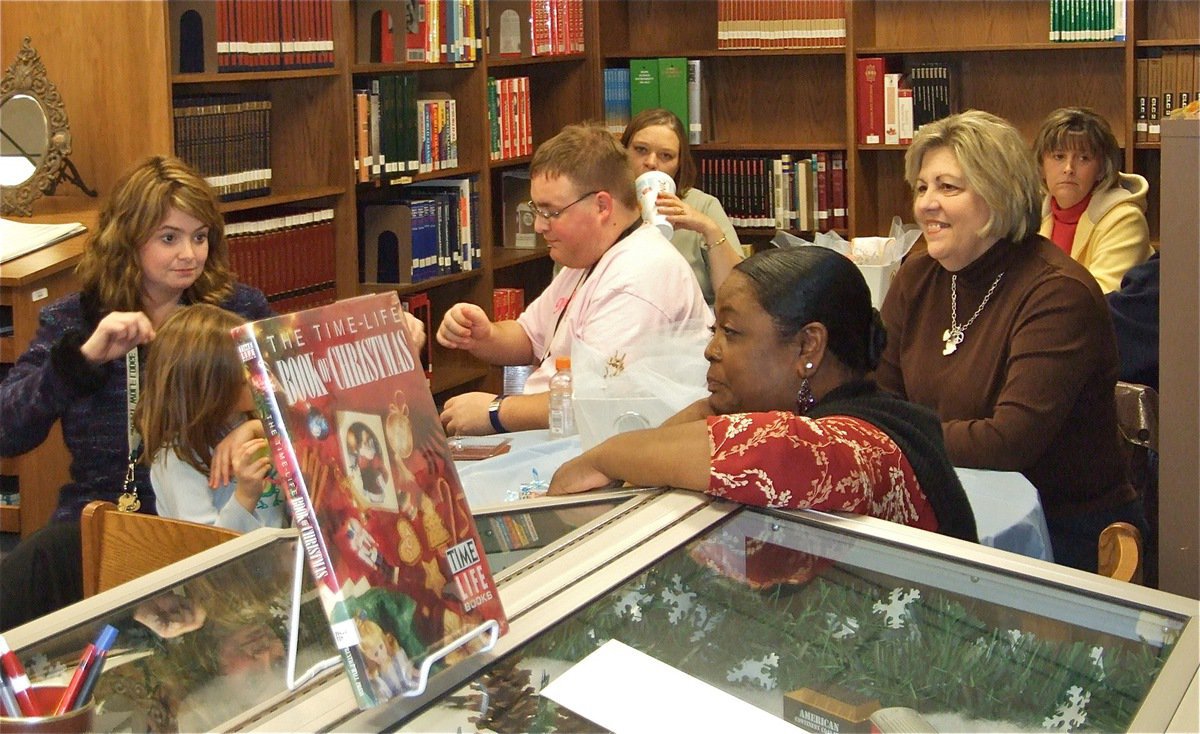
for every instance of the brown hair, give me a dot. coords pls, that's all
(192, 382)
(996, 163)
(109, 268)
(591, 158)
(1080, 128)
(685, 177)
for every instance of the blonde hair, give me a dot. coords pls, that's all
(370, 632)
(139, 203)
(685, 177)
(1081, 129)
(996, 163)
(591, 158)
(192, 383)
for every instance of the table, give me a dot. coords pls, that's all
(1008, 513)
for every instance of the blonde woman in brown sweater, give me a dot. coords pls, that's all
(1005, 336)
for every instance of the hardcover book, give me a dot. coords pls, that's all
(356, 441)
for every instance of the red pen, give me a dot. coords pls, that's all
(16, 676)
(86, 661)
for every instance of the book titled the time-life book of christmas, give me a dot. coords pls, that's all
(357, 443)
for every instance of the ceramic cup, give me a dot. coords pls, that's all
(46, 698)
(647, 186)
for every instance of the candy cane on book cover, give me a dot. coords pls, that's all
(358, 444)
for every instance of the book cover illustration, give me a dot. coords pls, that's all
(357, 442)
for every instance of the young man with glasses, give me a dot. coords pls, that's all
(620, 278)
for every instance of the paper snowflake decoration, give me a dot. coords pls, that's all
(841, 627)
(1097, 656)
(896, 608)
(1072, 713)
(630, 603)
(678, 599)
(760, 672)
(704, 621)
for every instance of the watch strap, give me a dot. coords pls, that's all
(494, 414)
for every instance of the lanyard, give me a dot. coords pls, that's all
(624, 233)
(128, 501)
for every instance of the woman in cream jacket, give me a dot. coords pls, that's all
(1092, 211)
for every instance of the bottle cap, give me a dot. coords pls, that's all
(562, 363)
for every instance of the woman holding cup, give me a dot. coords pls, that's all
(656, 141)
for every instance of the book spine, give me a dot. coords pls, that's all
(673, 87)
(695, 128)
(643, 85)
(870, 100)
(287, 467)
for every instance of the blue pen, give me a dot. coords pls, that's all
(104, 643)
(7, 700)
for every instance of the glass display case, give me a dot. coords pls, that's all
(673, 606)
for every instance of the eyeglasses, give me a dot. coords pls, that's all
(551, 216)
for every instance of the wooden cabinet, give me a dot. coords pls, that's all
(783, 100)
(26, 284)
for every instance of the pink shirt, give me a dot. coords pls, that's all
(640, 283)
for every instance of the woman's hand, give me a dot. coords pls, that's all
(223, 467)
(580, 475)
(116, 334)
(682, 216)
(170, 615)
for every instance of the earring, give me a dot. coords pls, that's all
(804, 398)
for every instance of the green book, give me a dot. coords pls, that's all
(643, 85)
(672, 87)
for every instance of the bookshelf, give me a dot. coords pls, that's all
(804, 99)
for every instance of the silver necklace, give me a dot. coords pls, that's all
(954, 335)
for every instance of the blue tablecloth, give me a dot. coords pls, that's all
(1008, 513)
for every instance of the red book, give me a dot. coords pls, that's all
(869, 99)
(837, 197)
(358, 445)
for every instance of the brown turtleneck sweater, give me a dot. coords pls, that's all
(1030, 388)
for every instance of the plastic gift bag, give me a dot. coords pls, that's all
(638, 387)
(878, 258)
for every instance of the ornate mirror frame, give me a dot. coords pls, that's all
(27, 76)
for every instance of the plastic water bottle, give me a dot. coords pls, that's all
(562, 412)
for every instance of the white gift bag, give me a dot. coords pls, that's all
(637, 387)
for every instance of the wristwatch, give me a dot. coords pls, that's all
(494, 414)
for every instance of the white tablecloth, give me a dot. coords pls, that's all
(1008, 513)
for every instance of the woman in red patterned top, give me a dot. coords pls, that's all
(792, 420)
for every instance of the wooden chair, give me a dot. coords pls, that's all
(1120, 552)
(1137, 417)
(121, 546)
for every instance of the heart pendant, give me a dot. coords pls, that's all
(946, 336)
(950, 347)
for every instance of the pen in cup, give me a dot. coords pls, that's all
(104, 643)
(87, 662)
(7, 700)
(15, 673)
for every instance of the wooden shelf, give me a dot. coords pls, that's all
(737, 53)
(282, 197)
(988, 47)
(507, 257)
(505, 62)
(451, 377)
(405, 289)
(375, 68)
(252, 76)
(8, 350)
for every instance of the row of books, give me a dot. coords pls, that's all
(1087, 20)
(523, 28)
(399, 133)
(288, 254)
(262, 35)
(674, 83)
(227, 138)
(507, 303)
(511, 118)
(803, 192)
(433, 31)
(431, 230)
(1163, 83)
(781, 23)
(891, 106)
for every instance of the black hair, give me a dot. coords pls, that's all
(801, 285)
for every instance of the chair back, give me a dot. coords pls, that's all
(1120, 552)
(121, 546)
(1137, 417)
